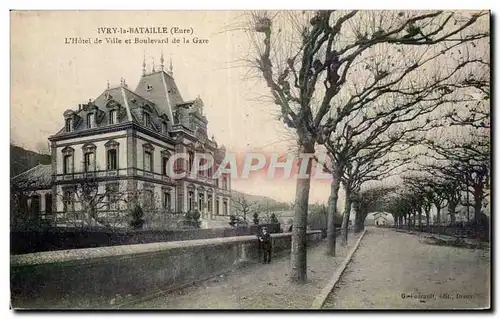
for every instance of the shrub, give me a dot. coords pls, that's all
(137, 217)
(274, 219)
(256, 218)
(193, 218)
(232, 220)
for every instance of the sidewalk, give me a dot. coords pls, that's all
(446, 239)
(257, 286)
(397, 270)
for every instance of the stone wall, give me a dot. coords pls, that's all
(24, 242)
(91, 277)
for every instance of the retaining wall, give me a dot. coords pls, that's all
(91, 277)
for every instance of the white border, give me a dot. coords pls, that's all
(199, 5)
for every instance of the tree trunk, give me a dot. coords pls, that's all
(358, 221)
(452, 207)
(428, 218)
(332, 211)
(409, 222)
(478, 202)
(420, 221)
(438, 218)
(299, 238)
(345, 219)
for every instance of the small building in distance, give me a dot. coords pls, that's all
(379, 219)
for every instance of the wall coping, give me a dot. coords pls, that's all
(58, 256)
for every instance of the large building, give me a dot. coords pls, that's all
(119, 144)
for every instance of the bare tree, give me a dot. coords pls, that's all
(97, 204)
(314, 64)
(244, 207)
(368, 201)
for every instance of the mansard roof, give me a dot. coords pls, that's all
(38, 177)
(157, 93)
(160, 88)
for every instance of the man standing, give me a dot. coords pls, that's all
(266, 244)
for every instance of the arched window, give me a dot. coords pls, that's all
(68, 200)
(69, 125)
(190, 199)
(89, 161)
(113, 117)
(201, 200)
(68, 160)
(90, 120)
(148, 155)
(191, 161)
(147, 119)
(35, 205)
(167, 199)
(210, 203)
(165, 155)
(48, 203)
(112, 148)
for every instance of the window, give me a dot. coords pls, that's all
(90, 120)
(112, 159)
(209, 203)
(164, 163)
(217, 182)
(112, 148)
(201, 201)
(35, 205)
(224, 182)
(147, 119)
(69, 125)
(201, 172)
(148, 161)
(113, 117)
(112, 196)
(164, 128)
(225, 208)
(48, 203)
(89, 161)
(191, 161)
(210, 172)
(148, 198)
(167, 200)
(68, 200)
(217, 206)
(190, 201)
(68, 164)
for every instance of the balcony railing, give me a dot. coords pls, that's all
(134, 172)
(91, 174)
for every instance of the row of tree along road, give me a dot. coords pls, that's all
(380, 92)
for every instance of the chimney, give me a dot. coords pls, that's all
(79, 107)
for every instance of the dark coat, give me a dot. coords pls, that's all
(266, 242)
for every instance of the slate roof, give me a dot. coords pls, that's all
(38, 177)
(160, 88)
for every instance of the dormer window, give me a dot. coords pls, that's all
(91, 120)
(113, 117)
(164, 127)
(147, 119)
(69, 125)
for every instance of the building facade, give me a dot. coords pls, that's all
(119, 144)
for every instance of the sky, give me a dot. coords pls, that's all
(49, 76)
